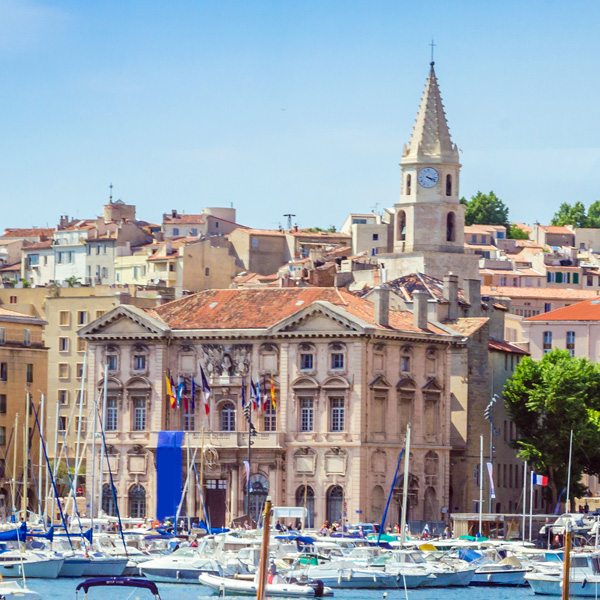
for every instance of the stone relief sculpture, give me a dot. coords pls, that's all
(226, 360)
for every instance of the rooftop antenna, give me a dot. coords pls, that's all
(432, 47)
(374, 208)
(289, 217)
(110, 198)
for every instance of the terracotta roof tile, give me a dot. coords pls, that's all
(260, 308)
(32, 232)
(14, 268)
(538, 292)
(502, 346)
(582, 311)
(250, 231)
(38, 246)
(183, 220)
(557, 229)
(468, 326)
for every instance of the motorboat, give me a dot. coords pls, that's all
(182, 566)
(15, 563)
(584, 578)
(248, 587)
(101, 565)
(345, 574)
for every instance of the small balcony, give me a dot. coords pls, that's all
(228, 439)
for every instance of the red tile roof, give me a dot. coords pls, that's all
(502, 346)
(32, 232)
(38, 245)
(260, 308)
(557, 229)
(582, 311)
(183, 220)
(541, 293)
(16, 267)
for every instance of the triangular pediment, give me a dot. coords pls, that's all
(125, 321)
(322, 317)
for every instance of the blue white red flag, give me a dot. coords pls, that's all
(539, 479)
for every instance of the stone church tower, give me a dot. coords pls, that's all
(428, 227)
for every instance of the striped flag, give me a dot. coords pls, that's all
(258, 395)
(253, 394)
(272, 391)
(243, 392)
(205, 391)
(193, 394)
(539, 479)
(170, 392)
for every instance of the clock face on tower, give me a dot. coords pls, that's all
(428, 177)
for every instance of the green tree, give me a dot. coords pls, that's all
(486, 209)
(547, 399)
(594, 214)
(516, 233)
(72, 281)
(568, 214)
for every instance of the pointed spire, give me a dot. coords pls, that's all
(430, 141)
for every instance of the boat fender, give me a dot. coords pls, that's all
(583, 583)
(340, 577)
(349, 574)
(489, 576)
(319, 588)
(177, 575)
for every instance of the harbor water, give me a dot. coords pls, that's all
(64, 589)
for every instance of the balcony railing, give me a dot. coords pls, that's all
(228, 439)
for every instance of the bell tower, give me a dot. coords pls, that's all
(429, 216)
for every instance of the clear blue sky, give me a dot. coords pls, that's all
(289, 105)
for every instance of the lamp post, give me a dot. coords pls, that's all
(251, 434)
(488, 413)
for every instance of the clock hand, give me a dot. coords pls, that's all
(430, 178)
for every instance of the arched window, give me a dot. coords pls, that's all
(408, 185)
(309, 522)
(137, 502)
(450, 227)
(448, 185)
(228, 417)
(401, 227)
(377, 504)
(108, 502)
(259, 489)
(430, 511)
(335, 503)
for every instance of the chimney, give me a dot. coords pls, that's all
(451, 295)
(381, 303)
(472, 291)
(123, 297)
(173, 214)
(420, 309)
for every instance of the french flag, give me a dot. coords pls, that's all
(539, 479)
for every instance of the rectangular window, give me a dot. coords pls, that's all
(337, 414)
(99, 313)
(189, 421)
(63, 370)
(175, 230)
(112, 362)
(29, 373)
(589, 281)
(27, 337)
(63, 344)
(375, 237)
(139, 362)
(64, 318)
(111, 414)
(547, 341)
(194, 231)
(2, 436)
(2, 335)
(270, 418)
(306, 362)
(13, 299)
(547, 307)
(77, 426)
(3, 371)
(79, 370)
(206, 271)
(405, 364)
(80, 345)
(571, 342)
(139, 414)
(306, 414)
(63, 396)
(33, 260)
(81, 317)
(337, 360)
(559, 277)
(473, 239)
(78, 397)
(2, 404)
(575, 278)
(503, 281)
(62, 423)
(255, 242)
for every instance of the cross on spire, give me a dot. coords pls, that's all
(432, 47)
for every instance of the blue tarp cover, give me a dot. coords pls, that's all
(168, 473)
(14, 535)
(468, 554)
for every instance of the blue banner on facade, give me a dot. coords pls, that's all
(168, 473)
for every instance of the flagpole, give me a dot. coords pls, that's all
(531, 505)
(568, 504)
(524, 499)
(480, 484)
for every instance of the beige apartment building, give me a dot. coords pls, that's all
(348, 376)
(23, 371)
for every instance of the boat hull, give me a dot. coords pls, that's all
(513, 577)
(182, 575)
(73, 567)
(548, 585)
(11, 590)
(105, 567)
(45, 569)
(249, 588)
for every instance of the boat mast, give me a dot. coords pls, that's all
(102, 422)
(78, 446)
(40, 499)
(202, 516)
(264, 551)
(568, 505)
(524, 499)
(480, 484)
(405, 488)
(24, 497)
(14, 477)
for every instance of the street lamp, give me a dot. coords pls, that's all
(488, 413)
